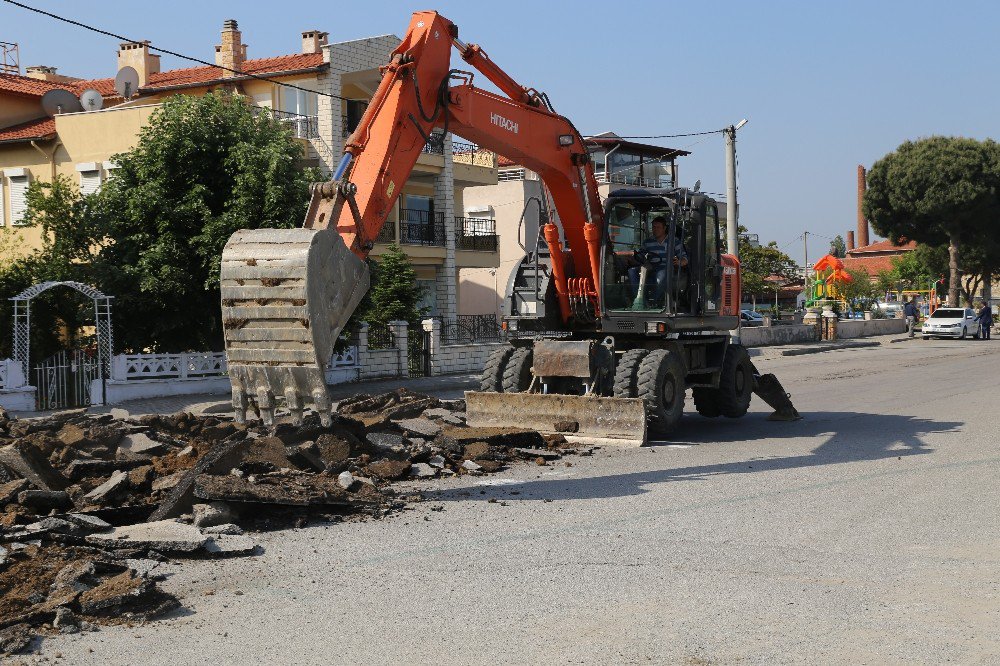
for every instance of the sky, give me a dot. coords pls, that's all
(825, 85)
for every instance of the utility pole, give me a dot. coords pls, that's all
(805, 260)
(732, 207)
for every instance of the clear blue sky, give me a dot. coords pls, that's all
(826, 85)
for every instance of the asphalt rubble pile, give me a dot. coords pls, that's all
(92, 505)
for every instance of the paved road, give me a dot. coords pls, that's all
(866, 533)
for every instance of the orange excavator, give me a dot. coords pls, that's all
(620, 308)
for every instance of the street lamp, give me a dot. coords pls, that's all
(732, 214)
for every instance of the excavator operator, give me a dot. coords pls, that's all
(654, 253)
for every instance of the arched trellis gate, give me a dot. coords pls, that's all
(51, 393)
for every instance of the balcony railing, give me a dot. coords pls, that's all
(470, 153)
(303, 127)
(387, 234)
(420, 227)
(634, 179)
(477, 233)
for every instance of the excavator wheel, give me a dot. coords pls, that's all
(706, 402)
(517, 373)
(735, 383)
(627, 373)
(492, 377)
(661, 384)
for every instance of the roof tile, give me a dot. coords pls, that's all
(259, 67)
(41, 128)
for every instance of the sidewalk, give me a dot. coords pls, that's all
(219, 403)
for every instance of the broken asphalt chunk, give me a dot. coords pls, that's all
(221, 458)
(167, 536)
(29, 462)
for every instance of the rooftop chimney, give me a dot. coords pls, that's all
(137, 56)
(850, 241)
(313, 41)
(46, 73)
(232, 52)
(862, 222)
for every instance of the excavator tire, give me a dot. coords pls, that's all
(492, 378)
(661, 384)
(735, 383)
(706, 401)
(627, 373)
(517, 374)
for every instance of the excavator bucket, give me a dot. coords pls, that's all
(286, 295)
(587, 419)
(770, 390)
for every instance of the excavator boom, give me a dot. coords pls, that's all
(287, 294)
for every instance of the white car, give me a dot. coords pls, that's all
(751, 318)
(951, 323)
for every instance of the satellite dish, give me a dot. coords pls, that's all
(697, 185)
(91, 100)
(127, 82)
(60, 101)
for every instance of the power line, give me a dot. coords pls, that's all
(660, 136)
(167, 51)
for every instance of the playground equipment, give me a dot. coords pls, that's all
(830, 277)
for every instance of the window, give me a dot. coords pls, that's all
(711, 257)
(3, 206)
(428, 299)
(18, 181)
(628, 283)
(355, 109)
(90, 177)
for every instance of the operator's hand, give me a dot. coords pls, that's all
(680, 262)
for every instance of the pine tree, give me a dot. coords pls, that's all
(395, 294)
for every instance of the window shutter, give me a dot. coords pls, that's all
(3, 205)
(18, 199)
(90, 181)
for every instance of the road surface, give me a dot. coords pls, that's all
(866, 533)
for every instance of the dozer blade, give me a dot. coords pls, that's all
(286, 295)
(773, 393)
(587, 419)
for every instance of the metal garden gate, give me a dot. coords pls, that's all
(63, 380)
(418, 352)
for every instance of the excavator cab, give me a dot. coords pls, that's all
(662, 259)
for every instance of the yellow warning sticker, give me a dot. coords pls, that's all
(389, 190)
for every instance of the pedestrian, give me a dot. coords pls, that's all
(912, 314)
(985, 320)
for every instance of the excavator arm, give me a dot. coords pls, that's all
(286, 294)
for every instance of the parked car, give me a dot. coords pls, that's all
(951, 323)
(751, 318)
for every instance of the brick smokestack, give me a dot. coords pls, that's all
(862, 222)
(850, 240)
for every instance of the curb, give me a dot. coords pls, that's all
(801, 351)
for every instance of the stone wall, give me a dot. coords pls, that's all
(763, 336)
(859, 328)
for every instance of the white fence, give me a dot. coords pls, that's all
(132, 367)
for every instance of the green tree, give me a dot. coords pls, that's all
(203, 168)
(861, 293)
(57, 316)
(394, 292)
(938, 190)
(917, 269)
(759, 263)
(838, 248)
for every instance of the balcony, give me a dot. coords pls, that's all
(470, 153)
(421, 227)
(302, 127)
(477, 234)
(625, 178)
